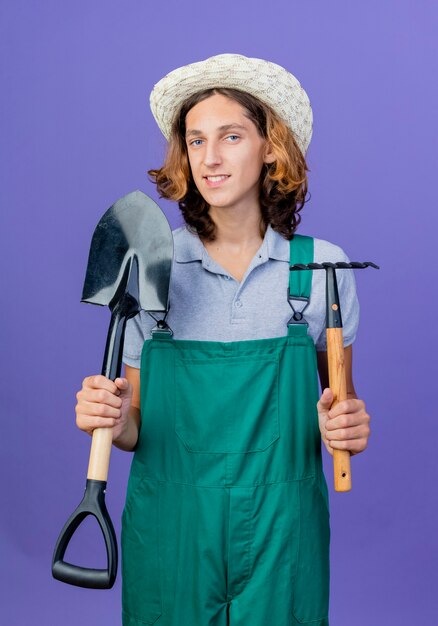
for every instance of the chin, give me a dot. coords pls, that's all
(220, 203)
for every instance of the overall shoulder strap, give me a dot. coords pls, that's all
(301, 251)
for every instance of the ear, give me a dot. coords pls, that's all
(269, 156)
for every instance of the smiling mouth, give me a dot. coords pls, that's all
(217, 178)
(216, 181)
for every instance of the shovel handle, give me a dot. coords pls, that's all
(338, 384)
(101, 443)
(93, 503)
(100, 453)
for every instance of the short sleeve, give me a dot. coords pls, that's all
(349, 304)
(138, 329)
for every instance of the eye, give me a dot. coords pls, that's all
(194, 142)
(233, 138)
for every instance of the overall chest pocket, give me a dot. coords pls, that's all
(227, 404)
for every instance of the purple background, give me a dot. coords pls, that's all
(77, 134)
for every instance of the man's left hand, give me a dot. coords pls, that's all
(346, 426)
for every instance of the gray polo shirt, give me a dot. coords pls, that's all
(207, 304)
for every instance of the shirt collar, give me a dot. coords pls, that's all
(190, 248)
(278, 247)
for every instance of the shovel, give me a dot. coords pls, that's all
(128, 269)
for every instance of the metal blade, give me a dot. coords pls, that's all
(134, 226)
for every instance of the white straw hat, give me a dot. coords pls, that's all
(267, 81)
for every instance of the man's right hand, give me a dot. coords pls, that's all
(103, 403)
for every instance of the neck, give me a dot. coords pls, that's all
(237, 227)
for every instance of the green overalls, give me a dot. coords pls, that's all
(226, 518)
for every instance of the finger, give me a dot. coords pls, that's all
(98, 409)
(90, 422)
(327, 445)
(122, 384)
(354, 445)
(99, 382)
(348, 420)
(325, 400)
(342, 434)
(352, 405)
(99, 396)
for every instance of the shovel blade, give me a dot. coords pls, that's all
(134, 226)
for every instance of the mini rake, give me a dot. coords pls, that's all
(335, 354)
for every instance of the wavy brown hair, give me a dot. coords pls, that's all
(283, 183)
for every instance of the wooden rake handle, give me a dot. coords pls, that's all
(338, 384)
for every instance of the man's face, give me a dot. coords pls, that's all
(226, 153)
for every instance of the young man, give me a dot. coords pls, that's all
(226, 518)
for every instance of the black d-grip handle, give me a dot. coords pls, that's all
(93, 503)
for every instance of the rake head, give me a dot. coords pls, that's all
(333, 311)
(353, 265)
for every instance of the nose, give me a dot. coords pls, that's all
(212, 156)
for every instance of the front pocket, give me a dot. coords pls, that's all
(227, 404)
(141, 583)
(311, 594)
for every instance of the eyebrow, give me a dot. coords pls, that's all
(222, 128)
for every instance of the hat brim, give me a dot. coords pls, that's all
(267, 81)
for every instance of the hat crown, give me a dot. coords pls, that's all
(267, 81)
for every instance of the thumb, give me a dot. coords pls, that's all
(325, 400)
(122, 383)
